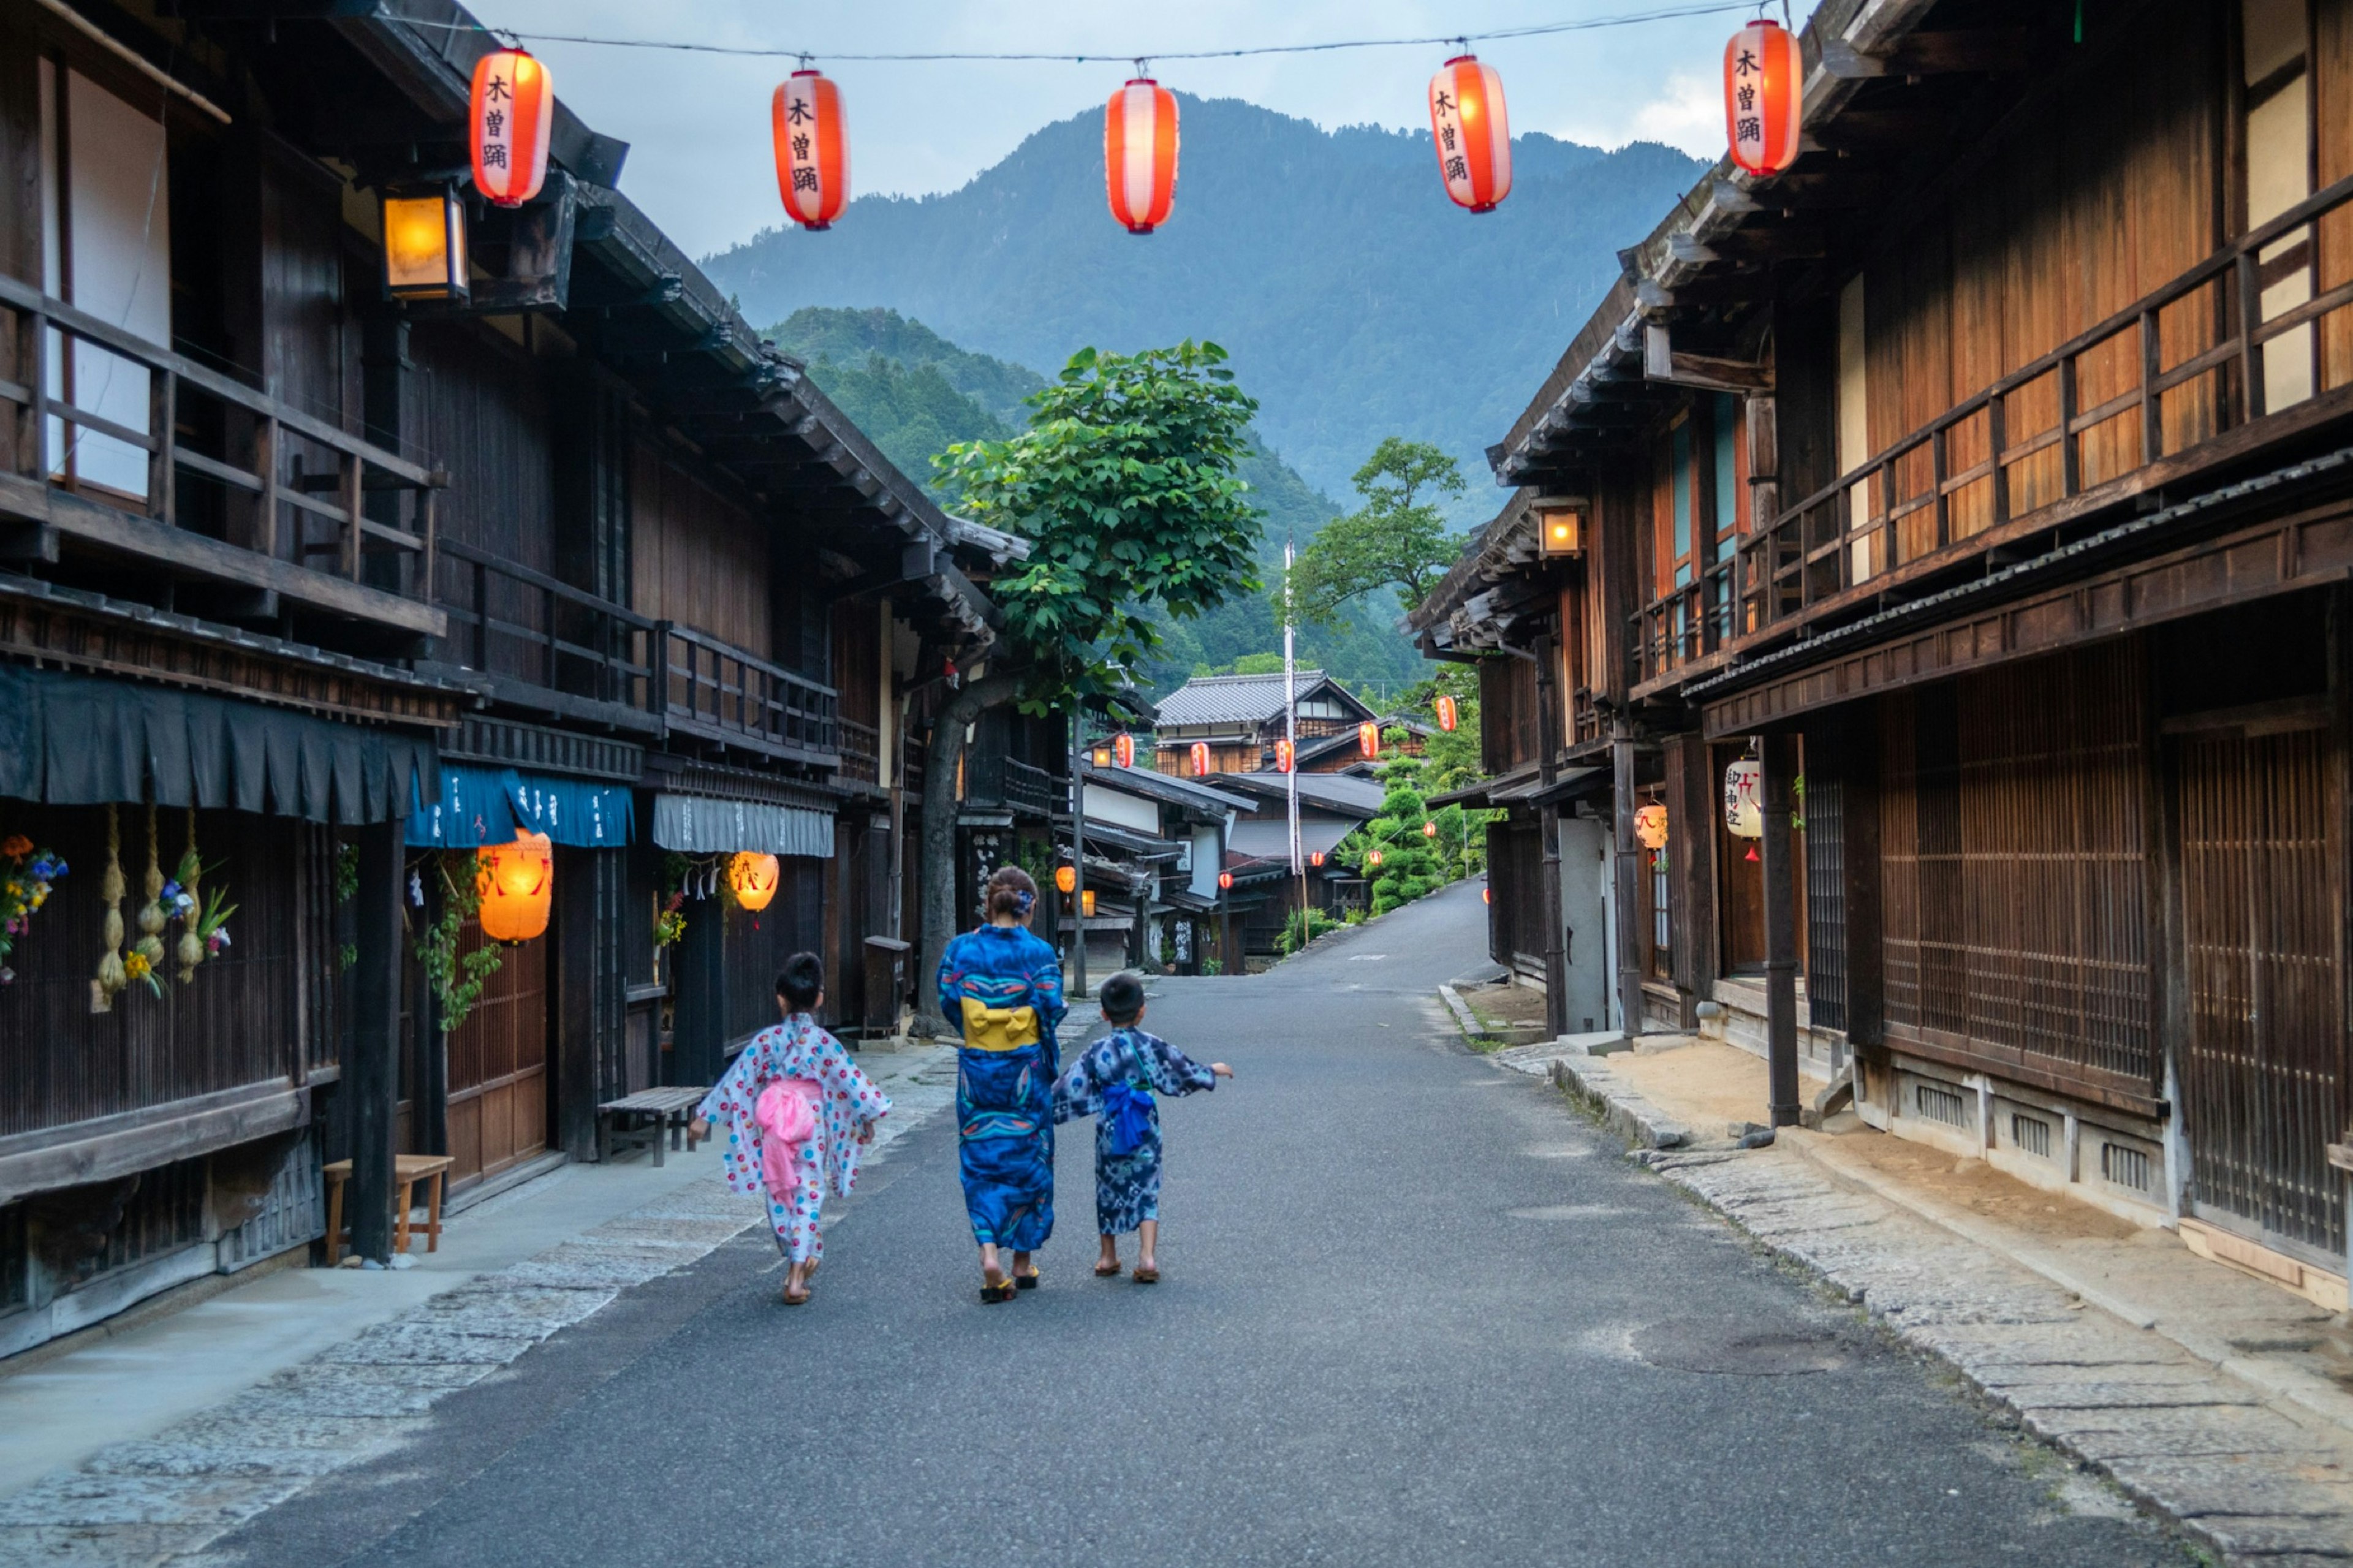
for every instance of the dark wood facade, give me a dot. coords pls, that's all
(1985, 474)
(582, 530)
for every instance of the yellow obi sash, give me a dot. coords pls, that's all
(987, 1028)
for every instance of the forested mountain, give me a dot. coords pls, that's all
(1358, 302)
(914, 393)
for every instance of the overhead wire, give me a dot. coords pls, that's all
(1100, 57)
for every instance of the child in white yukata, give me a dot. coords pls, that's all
(1113, 1081)
(797, 1112)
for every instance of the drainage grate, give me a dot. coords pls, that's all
(2031, 1133)
(2126, 1167)
(1940, 1104)
(1712, 1345)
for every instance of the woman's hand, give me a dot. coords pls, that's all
(1220, 1069)
(865, 1133)
(698, 1129)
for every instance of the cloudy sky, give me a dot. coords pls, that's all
(700, 160)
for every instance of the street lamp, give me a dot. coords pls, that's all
(425, 245)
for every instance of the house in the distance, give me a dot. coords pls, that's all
(1241, 718)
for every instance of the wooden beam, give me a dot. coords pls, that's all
(103, 528)
(1663, 363)
(1990, 50)
(107, 1147)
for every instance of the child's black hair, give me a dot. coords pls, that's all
(1121, 997)
(801, 981)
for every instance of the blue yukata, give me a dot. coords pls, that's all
(1126, 1065)
(1004, 986)
(846, 1101)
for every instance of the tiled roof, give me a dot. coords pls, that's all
(1232, 698)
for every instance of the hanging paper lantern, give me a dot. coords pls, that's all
(1200, 758)
(1744, 798)
(1445, 714)
(1123, 748)
(1368, 739)
(1066, 878)
(1473, 133)
(1651, 826)
(1284, 756)
(1140, 154)
(812, 140)
(1430, 830)
(514, 108)
(1316, 859)
(1225, 879)
(1372, 857)
(516, 882)
(1486, 895)
(751, 877)
(1762, 78)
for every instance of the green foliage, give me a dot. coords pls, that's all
(1397, 539)
(1303, 927)
(1354, 299)
(1125, 485)
(1414, 863)
(1451, 759)
(455, 979)
(347, 873)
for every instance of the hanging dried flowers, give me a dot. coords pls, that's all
(24, 888)
(113, 970)
(204, 929)
(154, 915)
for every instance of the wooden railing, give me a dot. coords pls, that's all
(1001, 780)
(861, 751)
(722, 693)
(269, 478)
(516, 623)
(2161, 377)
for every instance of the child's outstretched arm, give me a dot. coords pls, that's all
(1174, 1072)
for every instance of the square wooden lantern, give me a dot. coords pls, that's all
(425, 245)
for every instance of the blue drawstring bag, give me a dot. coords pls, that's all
(1127, 1112)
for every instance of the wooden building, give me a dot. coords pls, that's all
(1241, 717)
(331, 587)
(1983, 479)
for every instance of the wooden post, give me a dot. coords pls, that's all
(573, 942)
(1623, 871)
(371, 1078)
(1691, 816)
(1555, 949)
(1780, 933)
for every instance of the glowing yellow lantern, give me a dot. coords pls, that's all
(1651, 826)
(1087, 904)
(751, 877)
(425, 246)
(1066, 878)
(1102, 756)
(517, 882)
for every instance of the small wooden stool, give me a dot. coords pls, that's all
(407, 1171)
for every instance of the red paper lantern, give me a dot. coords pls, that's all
(1200, 758)
(513, 108)
(1123, 750)
(1430, 830)
(1372, 857)
(1473, 133)
(1762, 78)
(1284, 756)
(1225, 879)
(1486, 895)
(1445, 714)
(812, 139)
(1316, 859)
(1140, 154)
(1368, 739)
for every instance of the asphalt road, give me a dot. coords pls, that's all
(1414, 1311)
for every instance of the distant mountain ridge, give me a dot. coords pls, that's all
(913, 393)
(1357, 301)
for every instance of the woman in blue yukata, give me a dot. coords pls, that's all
(1003, 988)
(1114, 1082)
(798, 1113)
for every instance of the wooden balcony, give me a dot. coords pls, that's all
(260, 509)
(861, 752)
(2175, 383)
(1005, 784)
(535, 643)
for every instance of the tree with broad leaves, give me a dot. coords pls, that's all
(1395, 540)
(1125, 485)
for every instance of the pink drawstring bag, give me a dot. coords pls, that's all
(786, 1114)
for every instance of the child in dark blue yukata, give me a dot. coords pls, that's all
(1114, 1081)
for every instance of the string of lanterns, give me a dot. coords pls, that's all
(513, 107)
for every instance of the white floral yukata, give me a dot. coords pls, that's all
(796, 1048)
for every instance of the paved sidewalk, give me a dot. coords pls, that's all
(142, 1447)
(2211, 1397)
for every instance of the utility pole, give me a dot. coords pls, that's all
(1078, 848)
(1290, 735)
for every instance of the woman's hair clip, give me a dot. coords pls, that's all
(1027, 901)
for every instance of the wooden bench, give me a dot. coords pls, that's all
(639, 1120)
(407, 1172)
